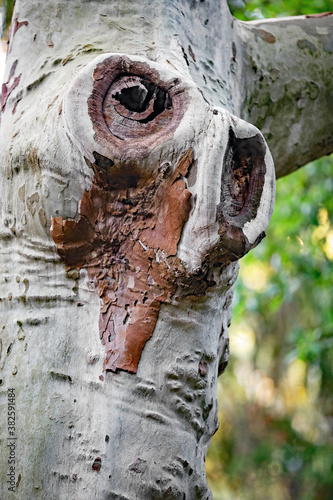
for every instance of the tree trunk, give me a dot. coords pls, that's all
(129, 192)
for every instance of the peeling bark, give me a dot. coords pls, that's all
(127, 236)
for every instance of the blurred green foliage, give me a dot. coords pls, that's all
(6, 12)
(247, 10)
(275, 398)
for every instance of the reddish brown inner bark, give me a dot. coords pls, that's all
(127, 238)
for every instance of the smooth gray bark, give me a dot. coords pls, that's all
(287, 78)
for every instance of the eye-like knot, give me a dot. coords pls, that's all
(135, 106)
(137, 98)
(132, 106)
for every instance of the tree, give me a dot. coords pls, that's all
(116, 127)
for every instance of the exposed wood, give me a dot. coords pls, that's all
(127, 238)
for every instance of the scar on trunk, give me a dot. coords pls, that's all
(127, 238)
(132, 108)
(131, 220)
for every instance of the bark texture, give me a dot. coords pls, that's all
(128, 193)
(288, 82)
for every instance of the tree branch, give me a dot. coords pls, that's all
(287, 77)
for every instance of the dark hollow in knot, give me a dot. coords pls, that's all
(137, 97)
(143, 100)
(243, 178)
